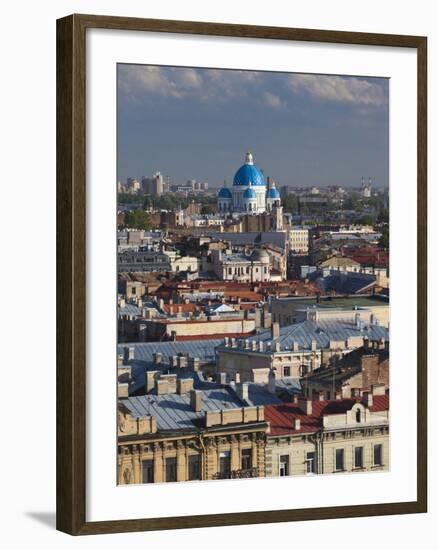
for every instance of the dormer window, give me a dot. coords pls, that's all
(358, 415)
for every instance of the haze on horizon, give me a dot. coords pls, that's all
(303, 129)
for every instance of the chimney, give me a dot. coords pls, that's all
(161, 386)
(305, 405)
(150, 380)
(297, 424)
(184, 385)
(222, 378)
(226, 341)
(321, 395)
(128, 354)
(271, 381)
(157, 358)
(367, 399)
(338, 395)
(196, 400)
(295, 346)
(261, 346)
(313, 345)
(295, 399)
(161, 303)
(378, 389)
(122, 390)
(242, 390)
(194, 363)
(275, 330)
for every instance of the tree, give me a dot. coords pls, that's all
(365, 220)
(383, 216)
(384, 239)
(138, 219)
(207, 209)
(290, 202)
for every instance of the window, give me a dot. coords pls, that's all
(310, 463)
(170, 469)
(357, 415)
(224, 465)
(378, 455)
(148, 471)
(284, 465)
(134, 290)
(246, 459)
(358, 457)
(194, 467)
(286, 371)
(339, 461)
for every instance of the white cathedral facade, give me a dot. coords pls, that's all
(249, 194)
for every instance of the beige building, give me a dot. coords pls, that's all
(182, 263)
(299, 240)
(236, 266)
(328, 437)
(293, 351)
(239, 323)
(371, 309)
(181, 434)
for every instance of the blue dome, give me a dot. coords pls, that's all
(224, 193)
(273, 194)
(249, 194)
(248, 174)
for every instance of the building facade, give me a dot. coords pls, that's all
(143, 261)
(241, 267)
(328, 437)
(204, 442)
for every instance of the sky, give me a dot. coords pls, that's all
(303, 129)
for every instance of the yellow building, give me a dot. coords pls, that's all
(328, 437)
(181, 434)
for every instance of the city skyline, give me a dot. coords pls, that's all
(303, 129)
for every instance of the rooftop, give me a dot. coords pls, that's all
(341, 302)
(281, 417)
(173, 411)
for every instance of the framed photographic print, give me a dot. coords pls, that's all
(241, 228)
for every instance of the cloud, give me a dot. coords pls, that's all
(179, 82)
(339, 89)
(273, 101)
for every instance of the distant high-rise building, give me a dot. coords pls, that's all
(366, 189)
(153, 185)
(132, 185)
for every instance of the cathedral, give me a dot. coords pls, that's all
(249, 194)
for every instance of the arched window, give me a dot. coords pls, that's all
(358, 414)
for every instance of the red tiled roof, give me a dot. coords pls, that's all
(184, 308)
(280, 417)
